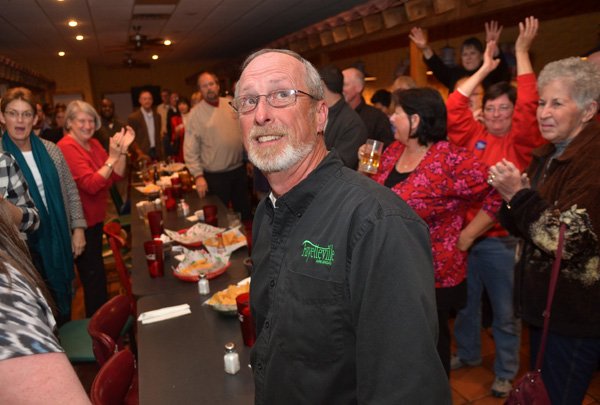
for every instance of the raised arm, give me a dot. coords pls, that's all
(527, 32)
(492, 33)
(416, 35)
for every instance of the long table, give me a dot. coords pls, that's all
(142, 283)
(180, 360)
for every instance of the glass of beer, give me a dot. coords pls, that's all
(370, 155)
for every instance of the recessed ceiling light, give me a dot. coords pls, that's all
(61, 53)
(72, 23)
(167, 42)
(429, 73)
(79, 37)
(154, 57)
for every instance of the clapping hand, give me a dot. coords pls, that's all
(120, 142)
(506, 178)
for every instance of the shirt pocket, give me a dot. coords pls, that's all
(313, 318)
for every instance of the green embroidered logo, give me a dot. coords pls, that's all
(321, 255)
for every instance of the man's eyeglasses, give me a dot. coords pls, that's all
(502, 109)
(12, 114)
(276, 99)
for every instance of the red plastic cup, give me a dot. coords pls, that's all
(210, 215)
(170, 202)
(155, 220)
(177, 188)
(155, 258)
(245, 317)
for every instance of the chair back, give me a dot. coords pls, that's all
(116, 243)
(107, 327)
(115, 383)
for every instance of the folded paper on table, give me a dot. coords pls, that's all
(164, 313)
(233, 239)
(194, 262)
(195, 234)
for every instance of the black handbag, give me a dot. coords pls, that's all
(530, 389)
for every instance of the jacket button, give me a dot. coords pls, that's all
(272, 283)
(266, 324)
(259, 366)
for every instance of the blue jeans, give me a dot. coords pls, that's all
(491, 265)
(568, 367)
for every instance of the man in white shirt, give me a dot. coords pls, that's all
(213, 148)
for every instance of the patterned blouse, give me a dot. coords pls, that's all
(441, 189)
(13, 188)
(26, 322)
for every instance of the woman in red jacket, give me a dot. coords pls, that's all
(440, 181)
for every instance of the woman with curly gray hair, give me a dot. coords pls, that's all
(561, 186)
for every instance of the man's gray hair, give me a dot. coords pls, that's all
(77, 106)
(581, 76)
(313, 79)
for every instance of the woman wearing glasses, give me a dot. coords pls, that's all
(60, 236)
(509, 130)
(94, 171)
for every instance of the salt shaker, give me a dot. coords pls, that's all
(185, 207)
(231, 359)
(203, 287)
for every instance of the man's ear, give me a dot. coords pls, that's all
(322, 113)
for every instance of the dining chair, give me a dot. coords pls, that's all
(116, 382)
(110, 326)
(117, 242)
(76, 342)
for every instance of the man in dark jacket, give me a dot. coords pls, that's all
(345, 131)
(342, 291)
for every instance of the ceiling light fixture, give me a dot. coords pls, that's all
(72, 23)
(79, 37)
(61, 53)
(154, 57)
(167, 42)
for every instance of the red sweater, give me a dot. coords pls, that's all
(442, 187)
(516, 145)
(84, 165)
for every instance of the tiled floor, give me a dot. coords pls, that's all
(470, 385)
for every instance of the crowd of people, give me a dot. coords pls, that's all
(353, 288)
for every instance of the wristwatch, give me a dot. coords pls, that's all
(109, 165)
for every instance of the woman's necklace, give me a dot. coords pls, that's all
(411, 158)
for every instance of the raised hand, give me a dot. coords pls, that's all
(492, 31)
(416, 35)
(527, 32)
(489, 62)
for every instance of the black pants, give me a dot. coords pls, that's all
(91, 270)
(449, 300)
(231, 186)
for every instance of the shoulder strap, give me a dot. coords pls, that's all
(551, 289)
